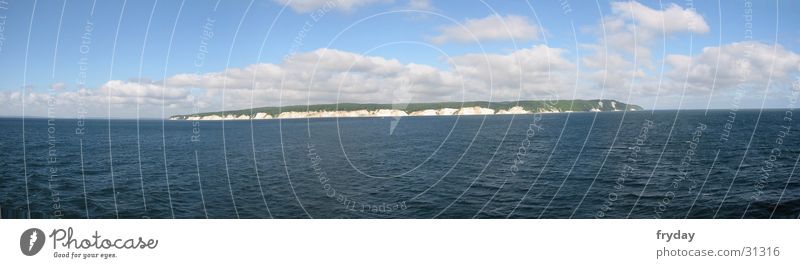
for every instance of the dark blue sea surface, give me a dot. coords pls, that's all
(662, 164)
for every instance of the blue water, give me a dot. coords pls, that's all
(571, 165)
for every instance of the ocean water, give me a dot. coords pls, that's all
(662, 164)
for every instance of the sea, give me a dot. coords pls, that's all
(606, 165)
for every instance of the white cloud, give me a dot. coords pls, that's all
(688, 81)
(420, 5)
(632, 27)
(122, 97)
(741, 63)
(622, 56)
(673, 19)
(323, 76)
(144, 93)
(304, 6)
(493, 27)
(319, 76)
(58, 86)
(329, 76)
(532, 72)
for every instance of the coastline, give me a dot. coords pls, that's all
(430, 109)
(377, 113)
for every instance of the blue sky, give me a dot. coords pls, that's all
(42, 41)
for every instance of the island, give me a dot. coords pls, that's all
(414, 109)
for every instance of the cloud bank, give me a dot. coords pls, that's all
(618, 65)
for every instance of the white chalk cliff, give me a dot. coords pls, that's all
(477, 110)
(514, 110)
(365, 113)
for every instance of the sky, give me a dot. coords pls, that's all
(153, 59)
